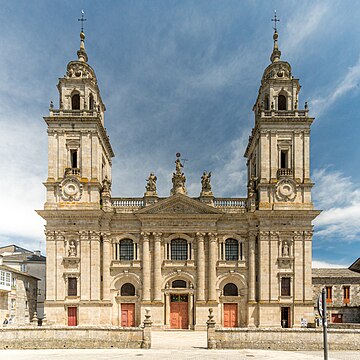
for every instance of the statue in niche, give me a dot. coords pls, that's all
(151, 183)
(285, 249)
(72, 248)
(205, 182)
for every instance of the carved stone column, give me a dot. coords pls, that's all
(212, 266)
(167, 310)
(251, 268)
(50, 265)
(200, 267)
(157, 266)
(95, 265)
(106, 266)
(191, 310)
(146, 266)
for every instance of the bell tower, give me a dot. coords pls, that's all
(79, 149)
(278, 151)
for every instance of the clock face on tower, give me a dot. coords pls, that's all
(70, 189)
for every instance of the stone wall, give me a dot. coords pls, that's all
(56, 337)
(283, 339)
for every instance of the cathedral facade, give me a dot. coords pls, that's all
(111, 259)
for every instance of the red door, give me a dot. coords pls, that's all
(230, 315)
(72, 316)
(127, 315)
(179, 315)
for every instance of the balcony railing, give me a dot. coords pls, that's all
(72, 171)
(284, 113)
(284, 173)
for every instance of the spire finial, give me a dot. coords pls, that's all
(275, 56)
(275, 20)
(82, 56)
(82, 20)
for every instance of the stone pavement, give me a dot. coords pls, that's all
(174, 345)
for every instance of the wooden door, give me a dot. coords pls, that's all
(230, 315)
(127, 315)
(179, 314)
(72, 316)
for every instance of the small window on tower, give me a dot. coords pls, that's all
(267, 102)
(281, 102)
(74, 159)
(283, 159)
(75, 102)
(91, 102)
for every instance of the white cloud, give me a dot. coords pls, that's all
(300, 27)
(24, 167)
(349, 82)
(339, 198)
(318, 264)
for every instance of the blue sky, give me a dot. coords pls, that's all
(182, 76)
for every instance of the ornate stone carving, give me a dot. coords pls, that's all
(76, 69)
(286, 190)
(264, 235)
(70, 189)
(106, 194)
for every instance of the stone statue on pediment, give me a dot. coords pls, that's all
(178, 179)
(151, 185)
(205, 182)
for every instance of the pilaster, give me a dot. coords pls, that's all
(146, 266)
(157, 267)
(212, 266)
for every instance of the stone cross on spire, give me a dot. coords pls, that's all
(82, 20)
(275, 56)
(82, 56)
(275, 20)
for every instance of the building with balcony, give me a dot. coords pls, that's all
(110, 258)
(18, 295)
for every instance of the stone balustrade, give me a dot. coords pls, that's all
(284, 173)
(230, 204)
(79, 113)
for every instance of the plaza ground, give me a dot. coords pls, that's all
(174, 345)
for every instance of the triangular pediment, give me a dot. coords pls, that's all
(179, 204)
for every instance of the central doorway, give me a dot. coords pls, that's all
(179, 312)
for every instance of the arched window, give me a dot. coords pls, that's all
(231, 250)
(179, 249)
(267, 102)
(230, 289)
(127, 290)
(178, 284)
(91, 102)
(281, 102)
(126, 249)
(75, 101)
